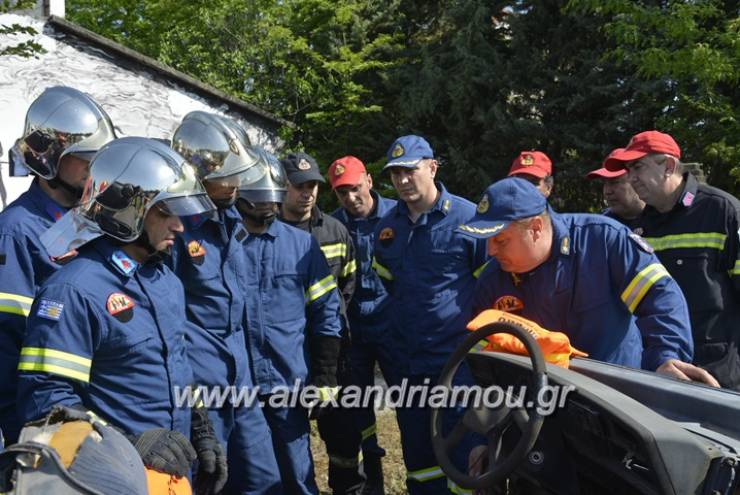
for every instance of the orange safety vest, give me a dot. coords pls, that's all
(555, 346)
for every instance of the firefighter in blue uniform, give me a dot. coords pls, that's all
(585, 275)
(106, 333)
(361, 210)
(63, 128)
(293, 320)
(209, 259)
(430, 271)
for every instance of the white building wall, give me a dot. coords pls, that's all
(138, 104)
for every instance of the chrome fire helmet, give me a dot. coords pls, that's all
(61, 121)
(127, 178)
(272, 184)
(218, 147)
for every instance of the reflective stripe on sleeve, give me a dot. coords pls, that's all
(712, 240)
(320, 288)
(457, 489)
(382, 271)
(736, 270)
(15, 304)
(636, 290)
(369, 431)
(334, 250)
(56, 362)
(349, 269)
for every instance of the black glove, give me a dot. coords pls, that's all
(165, 451)
(324, 361)
(212, 467)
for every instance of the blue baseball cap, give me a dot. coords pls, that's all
(503, 202)
(408, 151)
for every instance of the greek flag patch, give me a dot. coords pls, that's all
(51, 310)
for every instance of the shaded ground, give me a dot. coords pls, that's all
(389, 438)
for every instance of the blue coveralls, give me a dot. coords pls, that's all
(109, 333)
(430, 271)
(368, 316)
(209, 259)
(604, 288)
(24, 265)
(290, 297)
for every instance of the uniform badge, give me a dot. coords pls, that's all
(565, 245)
(397, 151)
(483, 205)
(508, 304)
(51, 310)
(233, 147)
(120, 306)
(303, 164)
(196, 251)
(638, 230)
(687, 199)
(516, 279)
(338, 170)
(386, 236)
(446, 205)
(122, 261)
(527, 160)
(642, 243)
(54, 211)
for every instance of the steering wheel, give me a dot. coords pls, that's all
(490, 423)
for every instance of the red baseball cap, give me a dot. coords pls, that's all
(603, 172)
(643, 144)
(531, 163)
(346, 171)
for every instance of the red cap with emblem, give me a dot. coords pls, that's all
(346, 171)
(534, 163)
(643, 144)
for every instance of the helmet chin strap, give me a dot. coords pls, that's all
(56, 183)
(152, 254)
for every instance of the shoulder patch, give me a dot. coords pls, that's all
(642, 243)
(51, 310)
(565, 245)
(123, 262)
(386, 236)
(120, 306)
(196, 251)
(508, 304)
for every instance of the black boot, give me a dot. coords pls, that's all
(373, 467)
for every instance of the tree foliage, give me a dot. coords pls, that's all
(481, 79)
(28, 48)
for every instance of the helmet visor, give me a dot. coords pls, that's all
(185, 206)
(69, 233)
(39, 152)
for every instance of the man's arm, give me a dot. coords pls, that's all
(57, 352)
(17, 286)
(653, 297)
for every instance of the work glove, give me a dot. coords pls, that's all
(324, 361)
(165, 451)
(213, 470)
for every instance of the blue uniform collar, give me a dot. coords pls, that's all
(44, 202)
(443, 204)
(381, 206)
(116, 257)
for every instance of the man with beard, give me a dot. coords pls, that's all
(106, 332)
(209, 259)
(293, 320)
(63, 129)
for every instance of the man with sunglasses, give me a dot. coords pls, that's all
(695, 231)
(534, 167)
(64, 128)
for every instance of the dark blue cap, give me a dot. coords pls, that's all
(503, 202)
(408, 151)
